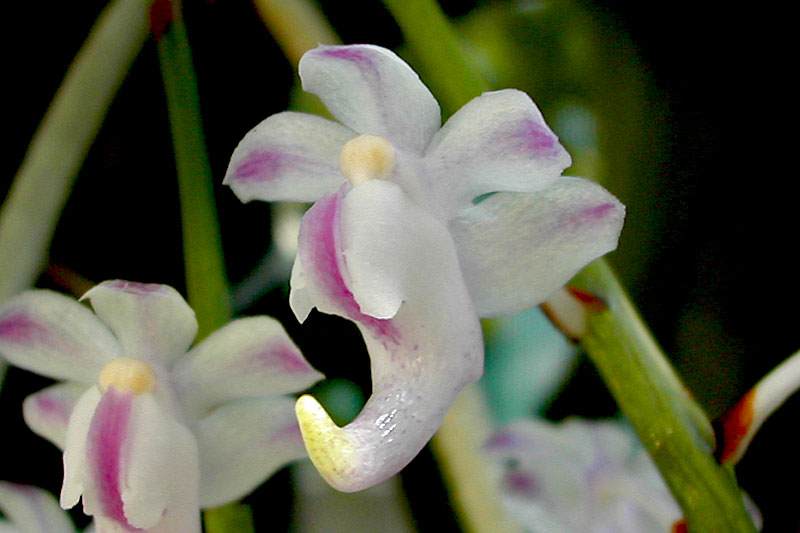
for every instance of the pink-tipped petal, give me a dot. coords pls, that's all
(497, 142)
(53, 335)
(517, 248)
(48, 411)
(152, 322)
(421, 357)
(32, 510)
(289, 156)
(371, 90)
(243, 443)
(247, 358)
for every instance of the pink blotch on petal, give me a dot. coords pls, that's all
(504, 439)
(586, 217)
(321, 226)
(131, 287)
(288, 434)
(52, 408)
(284, 357)
(535, 139)
(20, 328)
(347, 53)
(261, 166)
(595, 213)
(520, 483)
(106, 448)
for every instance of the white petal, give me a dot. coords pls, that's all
(371, 90)
(299, 299)
(53, 335)
(161, 469)
(135, 466)
(497, 142)
(249, 357)
(75, 469)
(32, 510)
(517, 248)
(289, 156)
(421, 357)
(242, 444)
(152, 322)
(48, 411)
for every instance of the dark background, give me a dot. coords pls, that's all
(717, 281)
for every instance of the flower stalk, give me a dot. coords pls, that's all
(444, 66)
(667, 420)
(297, 26)
(206, 285)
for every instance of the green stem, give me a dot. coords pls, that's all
(206, 285)
(296, 25)
(442, 61)
(56, 153)
(669, 423)
(458, 446)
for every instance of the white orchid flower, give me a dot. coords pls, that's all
(417, 231)
(151, 430)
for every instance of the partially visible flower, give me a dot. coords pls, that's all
(416, 232)
(151, 432)
(580, 475)
(31, 510)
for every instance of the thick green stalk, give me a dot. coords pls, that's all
(444, 66)
(669, 423)
(206, 285)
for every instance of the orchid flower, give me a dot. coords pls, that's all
(584, 475)
(31, 510)
(416, 232)
(580, 476)
(151, 432)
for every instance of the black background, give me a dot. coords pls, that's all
(723, 74)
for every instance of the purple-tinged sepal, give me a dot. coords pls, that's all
(47, 412)
(289, 156)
